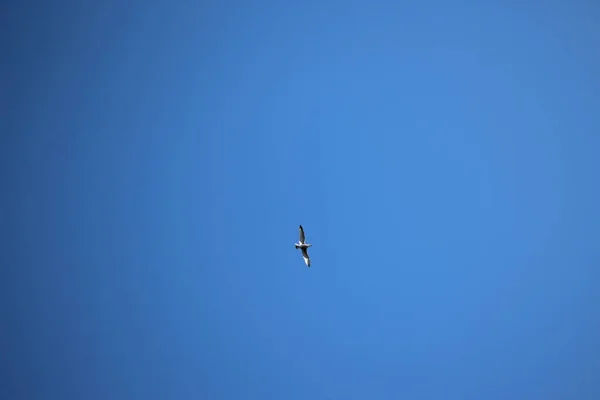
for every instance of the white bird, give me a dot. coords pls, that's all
(303, 246)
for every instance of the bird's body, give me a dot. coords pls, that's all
(302, 245)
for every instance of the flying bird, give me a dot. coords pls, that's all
(303, 246)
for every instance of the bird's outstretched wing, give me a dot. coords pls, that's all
(301, 234)
(306, 257)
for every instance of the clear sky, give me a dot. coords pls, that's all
(158, 157)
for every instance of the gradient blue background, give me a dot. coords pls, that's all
(158, 157)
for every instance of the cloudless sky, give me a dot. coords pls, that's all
(158, 157)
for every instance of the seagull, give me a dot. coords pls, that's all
(303, 246)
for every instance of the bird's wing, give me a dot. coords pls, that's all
(301, 234)
(306, 257)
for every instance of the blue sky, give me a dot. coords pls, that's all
(159, 156)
